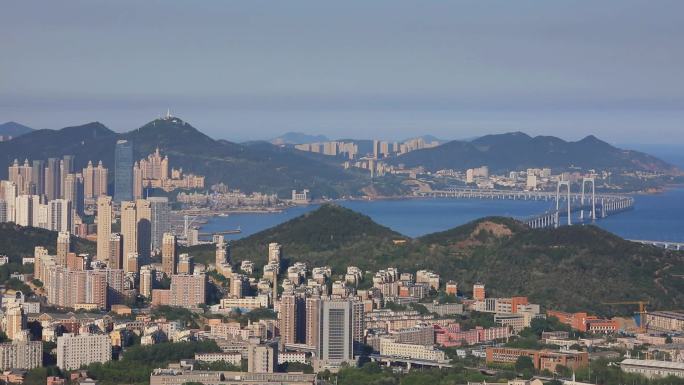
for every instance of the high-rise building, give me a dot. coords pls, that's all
(292, 319)
(479, 293)
(63, 247)
(25, 355)
(94, 181)
(313, 321)
(160, 217)
(104, 226)
(137, 182)
(38, 177)
(3, 211)
(261, 358)
(8, 192)
(132, 262)
(26, 209)
(337, 340)
(115, 285)
(143, 211)
(274, 252)
(188, 291)
(73, 191)
(75, 351)
(66, 167)
(222, 254)
(123, 171)
(147, 274)
(129, 227)
(186, 264)
(21, 175)
(115, 259)
(15, 321)
(53, 178)
(169, 254)
(59, 215)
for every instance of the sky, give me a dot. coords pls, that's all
(253, 69)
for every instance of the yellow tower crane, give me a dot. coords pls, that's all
(642, 311)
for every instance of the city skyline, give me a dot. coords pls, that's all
(245, 71)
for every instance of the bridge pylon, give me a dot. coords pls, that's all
(561, 183)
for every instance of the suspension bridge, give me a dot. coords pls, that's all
(589, 204)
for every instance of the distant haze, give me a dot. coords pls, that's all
(253, 69)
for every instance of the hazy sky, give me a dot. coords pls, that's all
(254, 69)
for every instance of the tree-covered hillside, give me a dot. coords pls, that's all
(571, 268)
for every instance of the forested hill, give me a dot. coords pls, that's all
(572, 268)
(519, 151)
(17, 241)
(255, 166)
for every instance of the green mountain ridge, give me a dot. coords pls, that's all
(519, 151)
(570, 268)
(17, 241)
(257, 166)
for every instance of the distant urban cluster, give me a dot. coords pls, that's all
(381, 149)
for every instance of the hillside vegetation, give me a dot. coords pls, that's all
(570, 268)
(17, 241)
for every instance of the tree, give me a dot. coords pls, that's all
(525, 366)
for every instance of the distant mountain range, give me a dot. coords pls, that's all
(256, 166)
(571, 268)
(298, 138)
(14, 129)
(518, 151)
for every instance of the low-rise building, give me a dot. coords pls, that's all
(667, 321)
(180, 377)
(542, 359)
(390, 348)
(652, 368)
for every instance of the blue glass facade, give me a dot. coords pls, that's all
(123, 171)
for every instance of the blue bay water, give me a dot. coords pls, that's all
(654, 217)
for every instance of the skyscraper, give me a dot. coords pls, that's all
(59, 215)
(123, 171)
(313, 321)
(169, 254)
(146, 280)
(159, 220)
(336, 343)
(287, 318)
(104, 226)
(8, 191)
(66, 168)
(115, 260)
(143, 210)
(63, 247)
(53, 178)
(129, 227)
(21, 175)
(73, 191)
(38, 177)
(137, 182)
(94, 181)
(15, 321)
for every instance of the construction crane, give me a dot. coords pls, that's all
(642, 311)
